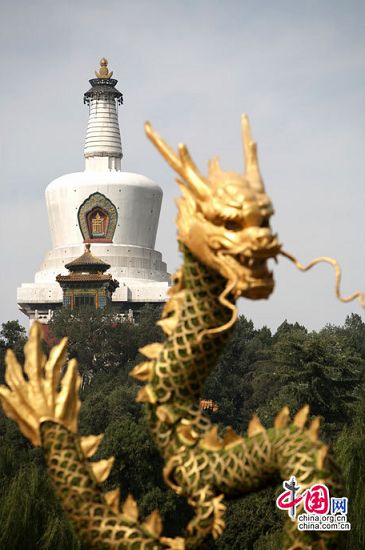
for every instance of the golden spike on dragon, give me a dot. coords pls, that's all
(226, 240)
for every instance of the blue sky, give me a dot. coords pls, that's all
(192, 67)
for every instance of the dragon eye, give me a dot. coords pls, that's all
(233, 225)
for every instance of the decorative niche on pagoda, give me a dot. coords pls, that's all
(115, 211)
(87, 284)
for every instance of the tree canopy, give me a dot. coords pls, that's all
(258, 372)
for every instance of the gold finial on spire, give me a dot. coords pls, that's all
(104, 71)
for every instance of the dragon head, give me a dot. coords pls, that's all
(224, 218)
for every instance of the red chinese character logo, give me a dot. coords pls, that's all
(317, 499)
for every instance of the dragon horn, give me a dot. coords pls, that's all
(252, 170)
(181, 163)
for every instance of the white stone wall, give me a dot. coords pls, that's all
(39, 293)
(51, 293)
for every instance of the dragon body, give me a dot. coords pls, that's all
(226, 240)
(201, 465)
(94, 514)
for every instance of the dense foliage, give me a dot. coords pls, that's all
(258, 372)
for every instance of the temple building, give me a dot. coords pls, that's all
(87, 284)
(115, 211)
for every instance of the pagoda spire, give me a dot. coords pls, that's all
(103, 147)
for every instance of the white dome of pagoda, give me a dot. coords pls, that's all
(116, 212)
(137, 200)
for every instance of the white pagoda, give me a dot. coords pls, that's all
(116, 212)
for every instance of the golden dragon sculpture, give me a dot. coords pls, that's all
(226, 240)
